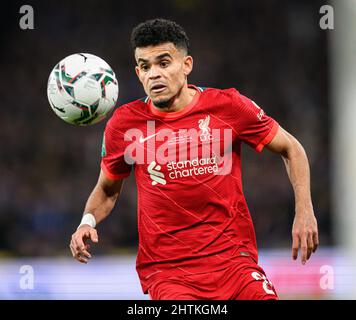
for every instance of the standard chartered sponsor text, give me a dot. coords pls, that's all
(189, 168)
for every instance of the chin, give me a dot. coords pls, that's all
(161, 103)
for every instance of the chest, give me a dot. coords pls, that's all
(197, 145)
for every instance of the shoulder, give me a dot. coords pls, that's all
(131, 107)
(229, 96)
(230, 93)
(124, 115)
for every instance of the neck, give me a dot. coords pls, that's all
(180, 100)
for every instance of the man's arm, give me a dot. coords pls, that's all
(100, 203)
(305, 229)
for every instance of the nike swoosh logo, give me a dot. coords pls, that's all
(142, 139)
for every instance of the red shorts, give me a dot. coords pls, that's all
(244, 280)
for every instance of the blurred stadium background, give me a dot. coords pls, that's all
(273, 51)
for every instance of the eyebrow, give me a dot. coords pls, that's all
(161, 56)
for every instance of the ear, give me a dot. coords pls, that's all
(137, 70)
(188, 65)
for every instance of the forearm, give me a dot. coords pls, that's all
(305, 228)
(297, 166)
(101, 202)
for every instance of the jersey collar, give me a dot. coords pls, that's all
(176, 114)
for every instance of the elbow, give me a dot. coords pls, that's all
(293, 149)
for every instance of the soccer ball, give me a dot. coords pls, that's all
(82, 89)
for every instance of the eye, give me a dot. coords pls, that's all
(164, 63)
(144, 67)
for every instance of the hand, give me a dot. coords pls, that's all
(78, 246)
(305, 235)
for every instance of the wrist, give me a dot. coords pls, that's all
(88, 219)
(303, 210)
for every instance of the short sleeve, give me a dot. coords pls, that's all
(252, 124)
(113, 154)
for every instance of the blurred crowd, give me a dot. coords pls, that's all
(271, 51)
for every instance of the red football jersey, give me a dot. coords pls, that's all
(192, 214)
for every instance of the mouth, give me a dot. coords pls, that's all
(157, 88)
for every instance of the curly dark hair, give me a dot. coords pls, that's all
(157, 31)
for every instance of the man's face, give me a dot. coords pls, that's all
(162, 70)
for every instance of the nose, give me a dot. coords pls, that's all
(153, 73)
